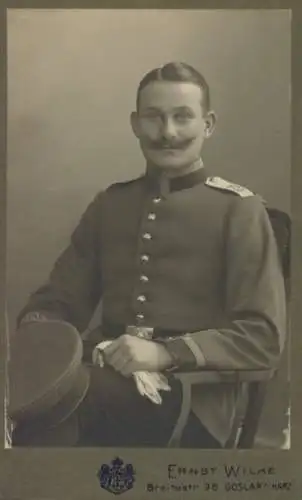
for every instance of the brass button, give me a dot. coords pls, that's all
(141, 298)
(156, 200)
(145, 258)
(144, 278)
(151, 216)
(147, 236)
(140, 317)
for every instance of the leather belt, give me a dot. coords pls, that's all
(113, 330)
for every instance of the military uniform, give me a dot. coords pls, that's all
(193, 257)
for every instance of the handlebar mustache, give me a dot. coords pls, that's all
(170, 145)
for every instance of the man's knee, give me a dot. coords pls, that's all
(110, 389)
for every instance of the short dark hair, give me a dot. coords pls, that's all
(176, 72)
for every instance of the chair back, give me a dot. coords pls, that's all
(281, 224)
(245, 429)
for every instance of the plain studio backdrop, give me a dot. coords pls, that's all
(72, 80)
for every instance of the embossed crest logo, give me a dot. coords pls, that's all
(116, 477)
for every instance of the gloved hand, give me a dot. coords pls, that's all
(148, 384)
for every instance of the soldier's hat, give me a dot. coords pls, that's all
(47, 382)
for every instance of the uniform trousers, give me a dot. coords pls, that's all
(114, 414)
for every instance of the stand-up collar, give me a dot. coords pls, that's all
(164, 185)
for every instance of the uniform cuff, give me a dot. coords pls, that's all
(184, 352)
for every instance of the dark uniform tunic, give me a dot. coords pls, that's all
(193, 257)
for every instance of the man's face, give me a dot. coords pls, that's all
(171, 124)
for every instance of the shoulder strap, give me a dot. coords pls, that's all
(224, 185)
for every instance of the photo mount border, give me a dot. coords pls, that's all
(56, 474)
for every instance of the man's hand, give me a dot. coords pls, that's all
(129, 354)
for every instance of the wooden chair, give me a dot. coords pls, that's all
(244, 426)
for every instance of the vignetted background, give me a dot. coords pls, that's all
(72, 79)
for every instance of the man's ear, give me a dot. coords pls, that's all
(210, 123)
(135, 123)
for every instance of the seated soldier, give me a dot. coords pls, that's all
(189, 258)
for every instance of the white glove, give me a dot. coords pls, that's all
(148, 383)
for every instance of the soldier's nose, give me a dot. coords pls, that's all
(169, 131)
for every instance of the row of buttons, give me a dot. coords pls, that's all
(144, 258)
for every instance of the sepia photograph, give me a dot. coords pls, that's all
(148, 229)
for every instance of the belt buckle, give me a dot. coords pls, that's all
(143, 332)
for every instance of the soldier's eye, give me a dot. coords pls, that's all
(151, 115)
(183, 116)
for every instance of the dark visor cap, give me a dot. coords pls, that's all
(47, 380)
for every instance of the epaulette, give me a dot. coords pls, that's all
(219, 183)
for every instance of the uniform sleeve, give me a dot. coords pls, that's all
(74, 286)
(253, 337)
